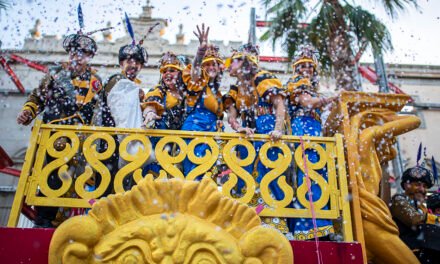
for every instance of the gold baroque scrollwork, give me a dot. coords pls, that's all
(136, 161)
(236, 165)
(169, 221)
(62, 157)
(168, 161)
(94, 159)
(313, 174)
(279, 166)
(206, 162)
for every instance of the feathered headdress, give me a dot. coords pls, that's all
(134, 50)
(80, 40)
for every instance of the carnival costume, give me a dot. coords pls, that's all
(256, 111)
(418, 227)
(306, 122)
(170, 108)
(203, 104)
(66, 98)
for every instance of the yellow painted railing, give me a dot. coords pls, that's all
(43, 159)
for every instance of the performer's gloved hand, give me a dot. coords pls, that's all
(149, 118)
(24, 117)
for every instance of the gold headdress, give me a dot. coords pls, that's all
(305, 54)
(249, 51)
(170, 60)
(212, 54)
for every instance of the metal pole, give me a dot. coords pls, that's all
(380, 71)
(252, 32)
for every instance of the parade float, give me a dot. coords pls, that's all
(200, 217)
(173, 219)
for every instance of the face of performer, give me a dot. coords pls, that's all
(79, 59)
(212, 68)
(131, 67)
(416, 190)
(236, 67)
(169, 77)
(305, 69)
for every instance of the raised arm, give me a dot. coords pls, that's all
(202, 36)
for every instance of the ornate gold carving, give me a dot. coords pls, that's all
(135, 161)
(60, 162)
(279, 166)
(370, 124)
(169, 221)
(236, 165)
(314, 175)
(82, 142)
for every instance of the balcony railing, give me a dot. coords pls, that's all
(80, 159)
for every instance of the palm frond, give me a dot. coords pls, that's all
(393, 7)
(4, 4)
(366, 27)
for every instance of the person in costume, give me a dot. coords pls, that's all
(67, 95)
(122, 95)
(164, 104)
(204, 108)
(433, 203)
(418, 228)
(258, 100)
(305, 107)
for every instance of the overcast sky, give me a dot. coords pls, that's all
(415, 34)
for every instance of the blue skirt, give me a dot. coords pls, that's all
(200, 119)
(303, 228)
(264, 125)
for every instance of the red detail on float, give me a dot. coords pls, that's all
(25, 245)
(31, 245)
(331, 252)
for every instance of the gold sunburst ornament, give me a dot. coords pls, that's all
(169, 221)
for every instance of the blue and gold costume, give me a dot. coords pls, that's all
(203, 105)
(170, 108)
(256, 111)
(306, 122)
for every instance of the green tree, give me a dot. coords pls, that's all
(340, 32)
